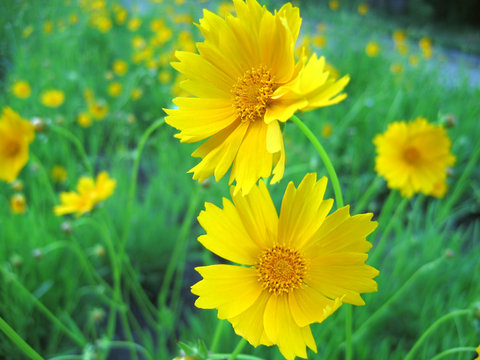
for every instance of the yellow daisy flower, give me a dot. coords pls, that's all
(363, 9)
(120, 67)
(15, 136)
(115, 89)
(98, 109)
(21, 89)
(84, 120)
(18, 204)
(89, 193)
(245, 81)
(58, 174)
(296, 268)
(372, 49)
(414, 157)
(53, 98)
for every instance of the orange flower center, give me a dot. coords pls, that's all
(252, 92)
(280, 269)
(411, 155)
(11, 148)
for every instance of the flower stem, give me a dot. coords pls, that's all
(239, 357)
(325, 158)
(445, 353)
(238, 349)
(432, 328)
(17, 340)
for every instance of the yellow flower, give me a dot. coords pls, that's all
(18, 204)
(98, 109)
(53, 98)
(243, 90)
(48, 27)
(27, 31)
(134, 24)
(363, 9)
(84, 120)
(183, 19)
(103, 24)
(138, 42)
(295, 270)
(402, 48)
(372, 49)
(334, 5)
(73, 18)
(413, 60)
(478, 353)
(115, 89)
(319, 41)
(164, 76)
(120, 67)
(425, 43)
(89, 193)
(399, 36)
(327, 130)
(21, 89)
(58, 174)
(136, 93)
(396, 68)
(413, 157)
(15, 136)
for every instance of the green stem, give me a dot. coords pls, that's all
(77, 338)
(326, 160)
(239, 357)
(132, 346)
(445, 353)
(17, 340)
(217, 335)
(78, 145)
(432, 328)
(238, 349)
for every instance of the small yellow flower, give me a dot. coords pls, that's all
(134, 24)
(157, 25)
(88, 194)
(115, 89)
(327, 130)
(121, 16)
(58, 174)
(396, 68)
(334, 5)
(88, 95)
(179, 2)
(48, 27)
(103, 24)
(414, 157)
(425, 43)
(138, 42)
(294, 270)
(18, 204)
(427, 52)
(319, 41)
(84, 120)
(164, 76)
(53, 98)
(402, 48)
(120, 67)
(15, 136)
(399, 36)
(372, 49)
(363, 9)
(182, 19)
(17, 185)
(27, 31)
(73, 18)
(321, 27)
(21, 89)
(136, 93)
(413, 60)
(98, 109)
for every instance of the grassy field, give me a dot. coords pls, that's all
(115, 283)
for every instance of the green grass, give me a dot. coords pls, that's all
(53, 282)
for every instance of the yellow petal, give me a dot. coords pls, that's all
(221, 286)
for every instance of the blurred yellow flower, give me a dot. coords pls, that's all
(478, 353)
(164, 76)
(48, 27)
(334, 5)
(53, 98)
(58, 174)
(17, 185)
(73, 18)
(327, 130)
(179, 2)
(399, 36)
(402, 48)
(321, 27)
(136, 93)
(413, 60)
(414, 157)
(157, 25)
(120, 15)
(363, 9)
(138, 42)
(18, 204)
(27, 31)
(15, 136)
(84, 120)
(89, 193)
(103, 24)
(182, 19)
(242, 91)
(372, 49)
(293, 271)
(114, 89)
(425, 43)
(396, 68)
(120, 67)
(21, 89)
(98, 109)
(134, 24)
(319, 41)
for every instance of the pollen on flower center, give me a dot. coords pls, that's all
(252, 92)
(411, 155)
(11, 148)
(280, 269)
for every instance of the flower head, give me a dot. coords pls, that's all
(372, 49)
(53, 98)
(15, 136)
(21, 89)
(245, 81)
(18, 204)
(414, 157)
(89, 193)
(296, 268)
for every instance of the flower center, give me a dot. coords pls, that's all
(280, 269)
(11, 148)
(411, 155)
(252, 92)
